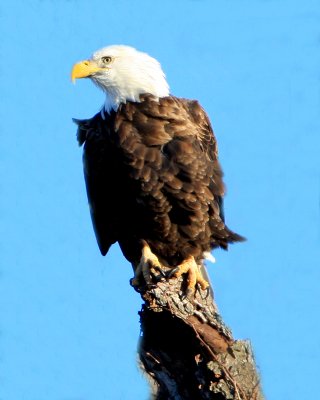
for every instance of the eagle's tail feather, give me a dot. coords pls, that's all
(235, 237)
(227, 237)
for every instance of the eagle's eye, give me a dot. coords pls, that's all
(106, 60)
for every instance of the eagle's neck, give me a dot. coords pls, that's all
(113, 100)
(130, 90)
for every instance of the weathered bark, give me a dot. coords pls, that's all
(186, 350)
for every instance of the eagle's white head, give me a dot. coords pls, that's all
(123, 73)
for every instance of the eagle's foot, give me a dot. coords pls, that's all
(149, 267)
(190, 267)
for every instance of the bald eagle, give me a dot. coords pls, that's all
(153, 179)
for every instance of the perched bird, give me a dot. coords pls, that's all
(151, 168)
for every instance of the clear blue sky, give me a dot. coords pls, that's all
(254, 66)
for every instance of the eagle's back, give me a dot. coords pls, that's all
(152, 173)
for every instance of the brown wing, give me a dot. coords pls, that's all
(100, 175)
(221, 235)
(195, 150)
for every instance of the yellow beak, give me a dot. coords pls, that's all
(83, 69)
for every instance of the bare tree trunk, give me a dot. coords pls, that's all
(186, 350)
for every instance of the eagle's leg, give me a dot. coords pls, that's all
(149, 265)
(190, 267)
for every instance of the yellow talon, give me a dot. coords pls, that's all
(190, 267)
(149, 264)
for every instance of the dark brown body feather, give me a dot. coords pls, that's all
(152, 174)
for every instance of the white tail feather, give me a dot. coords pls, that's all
(208, 256)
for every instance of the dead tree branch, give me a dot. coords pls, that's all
(186, 350)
